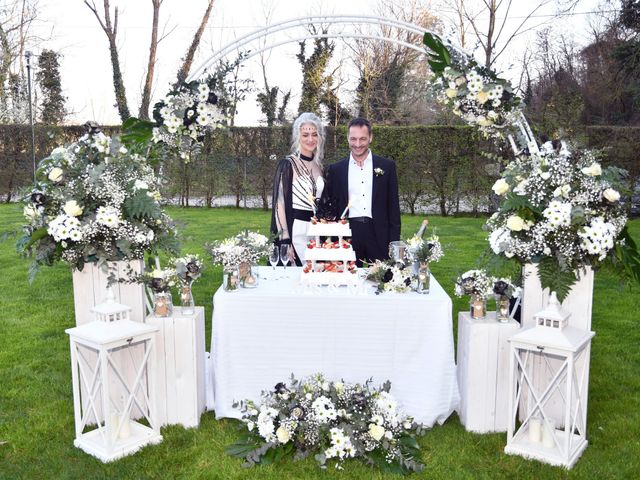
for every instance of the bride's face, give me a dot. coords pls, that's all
(308, 139)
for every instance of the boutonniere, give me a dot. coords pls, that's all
(378, 171)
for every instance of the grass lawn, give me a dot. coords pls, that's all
(36, 408)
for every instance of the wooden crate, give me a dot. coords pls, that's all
(483, 372)
(180, 360)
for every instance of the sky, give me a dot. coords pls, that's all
(86, 73)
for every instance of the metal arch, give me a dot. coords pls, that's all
(305, 21)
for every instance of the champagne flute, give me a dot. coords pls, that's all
(284, 257)
(274, 258)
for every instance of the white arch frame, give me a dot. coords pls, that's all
(528, 140)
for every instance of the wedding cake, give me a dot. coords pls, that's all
(329, 261)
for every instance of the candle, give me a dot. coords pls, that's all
(548, 434)
(534, 430)
(346, 209)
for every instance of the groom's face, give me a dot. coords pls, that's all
(359, 141)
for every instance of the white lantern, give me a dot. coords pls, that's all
(104, 395)
(110, 310)
(548, 408)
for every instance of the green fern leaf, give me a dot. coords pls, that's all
(554, 278)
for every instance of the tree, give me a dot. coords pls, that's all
(143, 112)
(489, 22)
(183, 72)
(52, 110)
(111, 31)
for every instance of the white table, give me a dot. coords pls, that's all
(261, 336)
(483, 372)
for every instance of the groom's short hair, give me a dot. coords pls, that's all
(360, 122)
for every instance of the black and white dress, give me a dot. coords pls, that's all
(294, 189)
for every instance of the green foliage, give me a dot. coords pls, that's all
(52, 109)
(438, 55)
(554, 278)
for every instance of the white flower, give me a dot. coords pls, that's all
(545, 175)
(140, 185)
(72, 208)
(31, 212)
(611, 195)
(376, 431)
(500, 187)
(283, 434)
(592, 170)
(108, 216)
(562, 191)
(515, 223)
(451, 92)
(250, 426)
(55, 175)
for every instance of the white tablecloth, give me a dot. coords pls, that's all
(261, 336)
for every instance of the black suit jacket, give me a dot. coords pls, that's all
(385, 204)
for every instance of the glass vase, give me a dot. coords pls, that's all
(162, 304)
(424, 277)
(186, 300)
(478, 307)
(248, 275)
(502, 308)
(230, 280)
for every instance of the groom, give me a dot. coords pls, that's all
(371, 183)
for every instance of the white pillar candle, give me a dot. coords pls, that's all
(548, 434)
(346, 209)
(535, 430)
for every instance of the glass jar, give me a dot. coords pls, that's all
(186, 300)
(478, 306)
(230, 280)
(248, 275)
(424, 277)
(162, 304)
(502, 308)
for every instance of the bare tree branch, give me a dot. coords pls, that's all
(183, 73)
(143, 112)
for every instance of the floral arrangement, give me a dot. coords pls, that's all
(94, 201)
(474, 282)
(390, 277)
(423, 250)
(560, 210)
(186, 114)
(246, 247)
(158, 280)
(474, 93)
(333, 420)
(187, 269)
(504, 287)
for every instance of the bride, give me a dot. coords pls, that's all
(297, 183)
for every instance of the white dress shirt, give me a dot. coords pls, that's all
(361, 187)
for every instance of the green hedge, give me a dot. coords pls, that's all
(437, 165)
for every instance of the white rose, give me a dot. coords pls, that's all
(611, 195)
(545, 175)
(140, 185)
(55, 175)
(282, 434)
(482, 97)
(500, 187)
(515, 223)
(451, 92)
(592, 170)
(388, 435)
(376, 431)
(30, 212)
(72, 208)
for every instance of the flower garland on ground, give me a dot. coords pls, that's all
(94, 201)
(561, 209)
(333, 420)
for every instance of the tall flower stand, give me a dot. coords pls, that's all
(114, 434)
(534, 431)
(483, 372)
(578, 304)
(90, 288)
(180, 359)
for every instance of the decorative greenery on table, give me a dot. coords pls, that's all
(333, 421)
(390, 277)
(247, 246)
(427, 250)
(94, 201)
